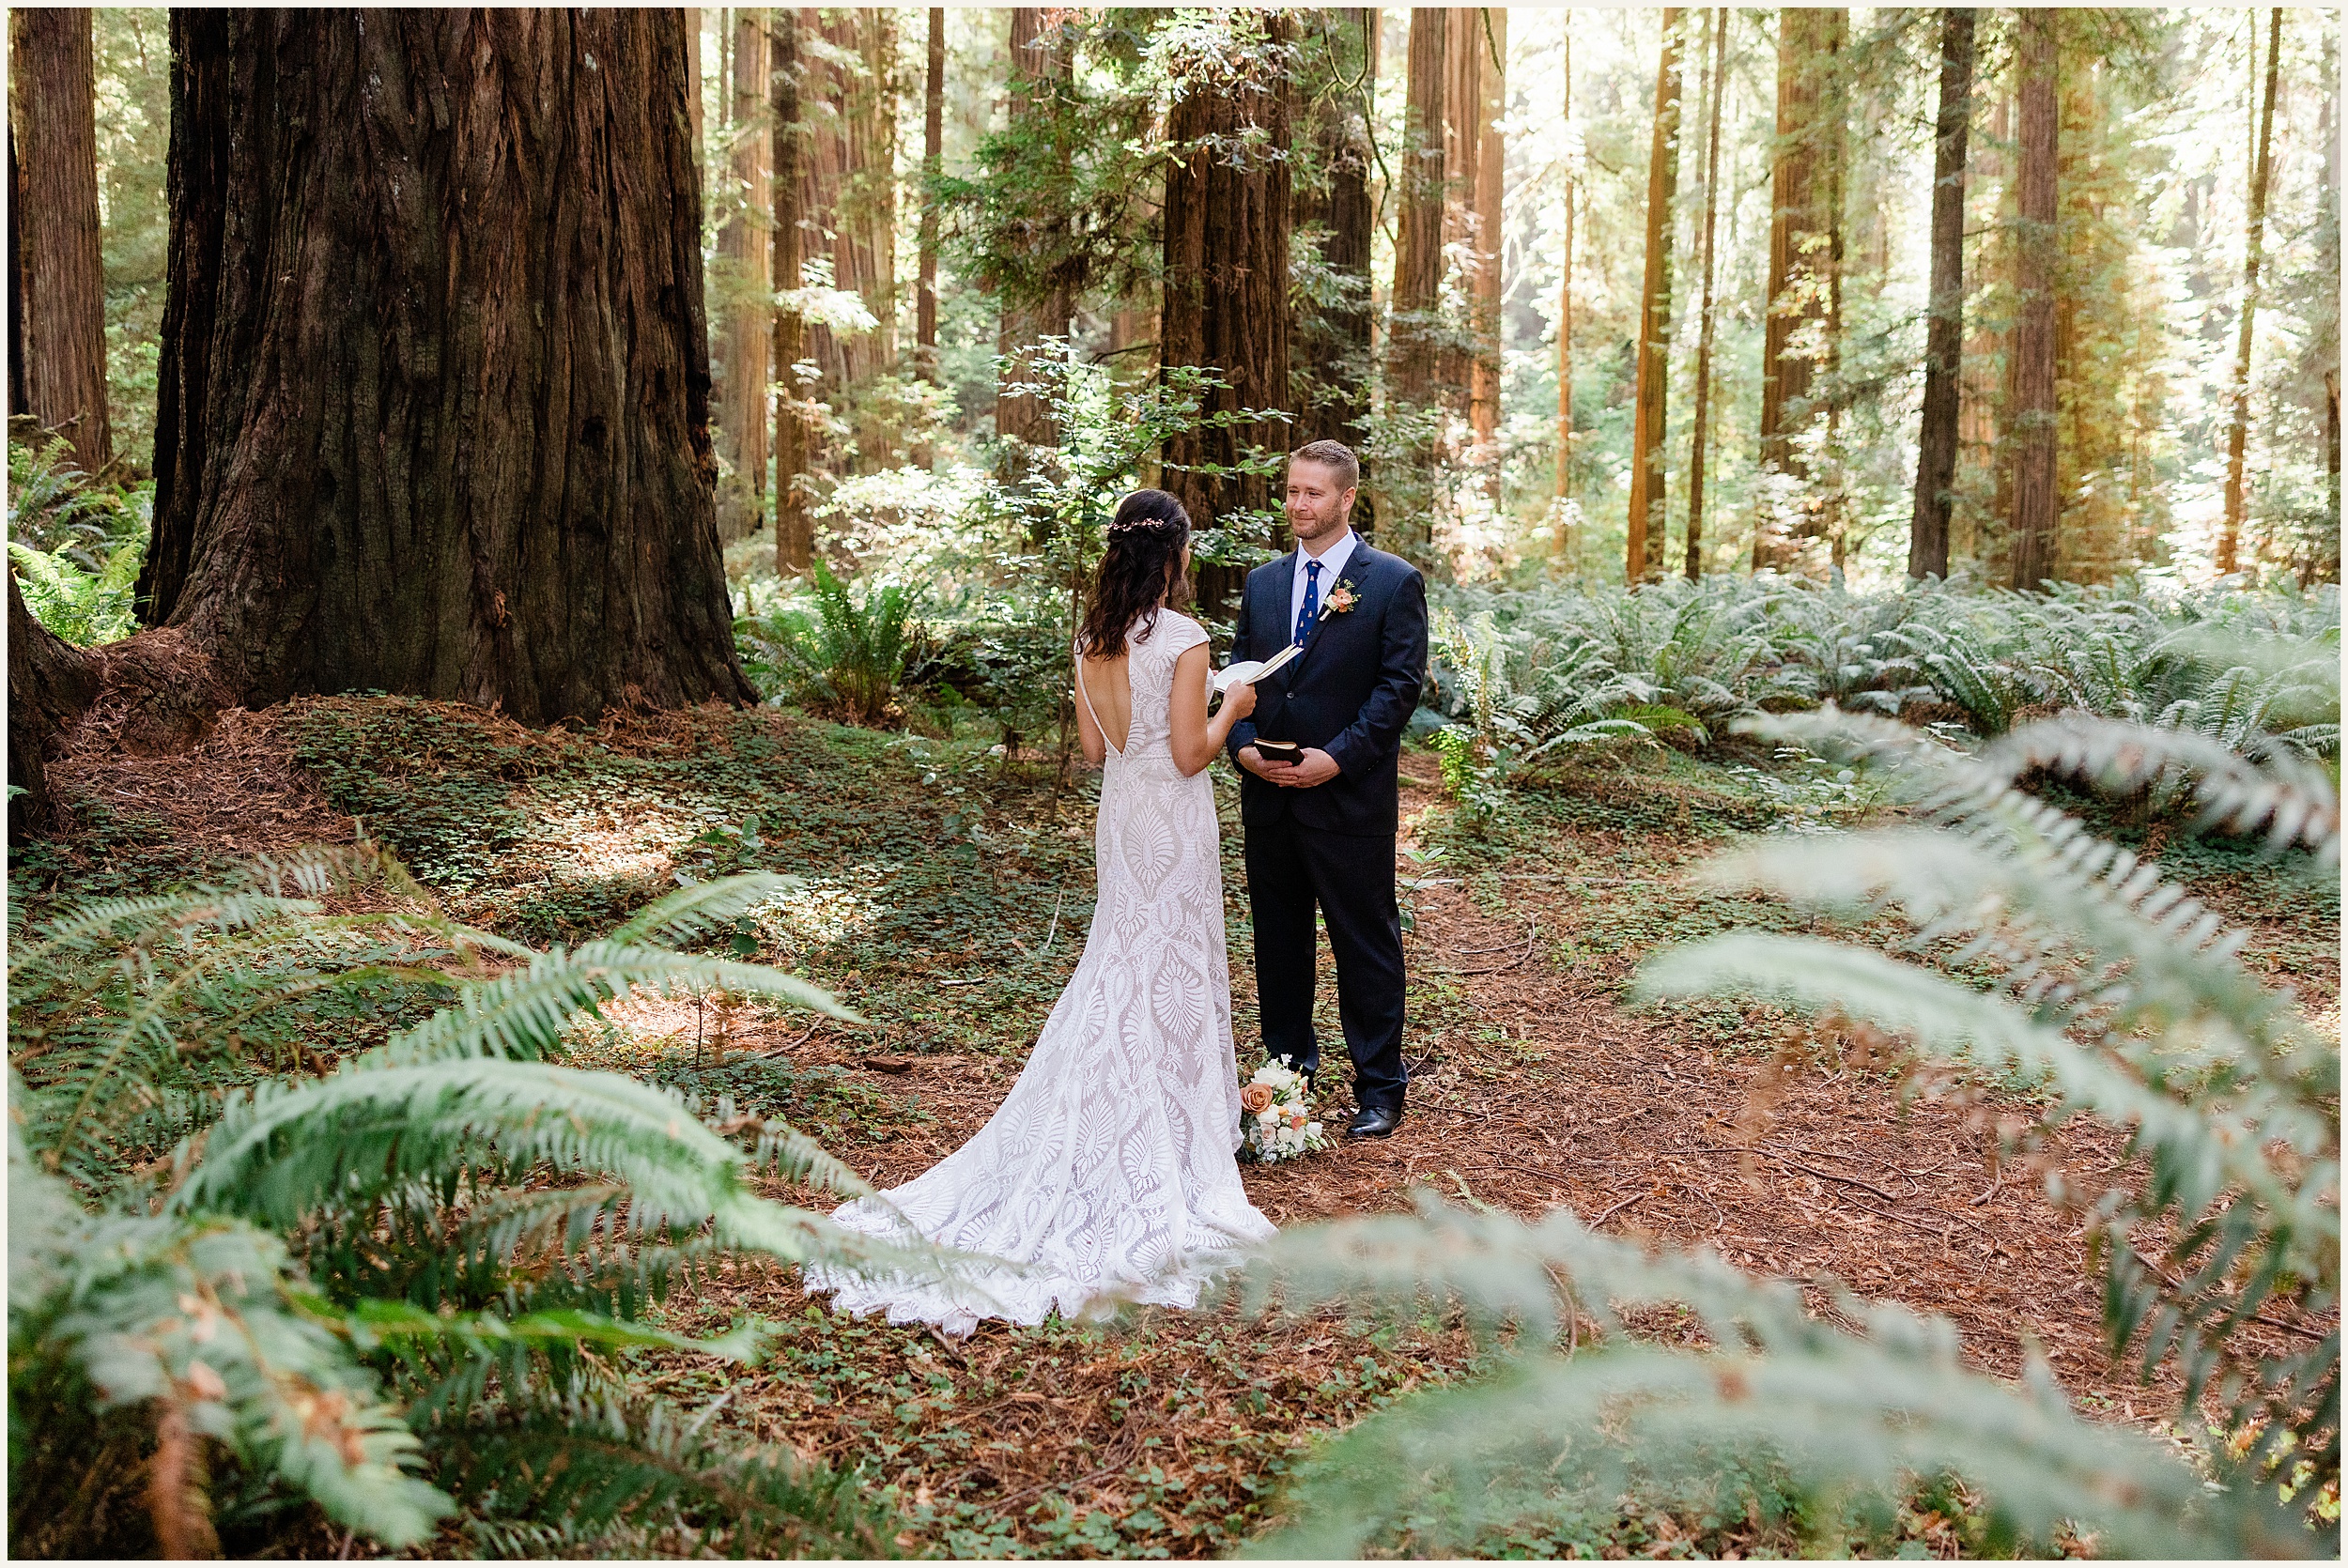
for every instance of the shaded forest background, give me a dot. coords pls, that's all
(1046, 210)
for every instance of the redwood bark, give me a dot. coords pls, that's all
(2253, 256)
(1492, 43)
(1418, 221)
(2033, 541)
(932, 163)
(1944, 334)
(62, 277)
(1803, 181)
(1225, 304)
(742, 272)
(1335, 343)
(1719, 81)
(847, 97)
(434, 399)
(1653, 381)
(794, 530)
(49, 684)
(1038, 76)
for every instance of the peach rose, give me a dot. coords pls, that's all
(1255, 1099)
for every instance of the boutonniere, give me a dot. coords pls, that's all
(1340, 599)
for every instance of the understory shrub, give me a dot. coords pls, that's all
(307, 1211)
(2120, 999)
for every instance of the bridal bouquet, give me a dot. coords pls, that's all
(1274, 1117)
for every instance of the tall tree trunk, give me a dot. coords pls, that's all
(1563, 543)
(1335, 343)
(1719, 82)
(932, 164)
(465, 452)
(741, 278)
(848, 98)
(2253, 255)
(1418, 219)
(794, 530)
(63, 279)
(1802, 184)
(51, 683)
(1225, 306)
(693, 76)
(20, 396)
(1491, 45)
(2035, 503)
(1038, 72)
(1654, 313)
(1944, 334)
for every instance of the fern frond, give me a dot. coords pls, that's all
(694, 911)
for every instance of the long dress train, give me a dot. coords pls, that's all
(1108, 1172)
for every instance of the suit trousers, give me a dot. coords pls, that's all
(1291, 871)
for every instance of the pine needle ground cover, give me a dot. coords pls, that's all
(943, 894)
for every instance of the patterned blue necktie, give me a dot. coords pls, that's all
(1311, 608)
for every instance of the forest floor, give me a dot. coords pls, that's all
(945, 895)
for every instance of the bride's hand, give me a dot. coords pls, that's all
(1238, 702)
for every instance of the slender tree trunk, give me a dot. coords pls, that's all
(794, 530)
(1563, 541)
(1225, 306)
(1491, 47)
(2253, 255)
(466, 455)
(932, 164)
(1038, 72)
(743, 278)
(848, 99)
(19, 395)
(1654, 313)
(1803, 185)
(62, 278)
(1418, 216)
(1331, 345)
(1944, 334)
(1694, 563)
(2035, 503)
(693, 76)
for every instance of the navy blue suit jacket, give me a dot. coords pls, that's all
(1350, 693)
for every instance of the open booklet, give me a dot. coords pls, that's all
(1249, 671)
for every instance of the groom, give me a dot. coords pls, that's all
(1321, 829)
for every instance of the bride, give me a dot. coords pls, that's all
(1109, 1173)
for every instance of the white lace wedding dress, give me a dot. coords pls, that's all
(1108, 1173)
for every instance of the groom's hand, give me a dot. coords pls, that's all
(1316, 767)
(1256, 762)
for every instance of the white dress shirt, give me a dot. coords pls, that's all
(1332, 560)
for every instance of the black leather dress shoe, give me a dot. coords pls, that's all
(1374, 1123)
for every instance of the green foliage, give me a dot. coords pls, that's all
(1832, 1417)
(1679, 658)
(2127, 1001)
(845, 655)
(75, 543)
(433, 1251)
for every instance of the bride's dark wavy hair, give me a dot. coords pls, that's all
(1141, 570)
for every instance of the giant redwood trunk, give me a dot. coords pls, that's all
(794, 529)
(61, 335)
(434, 414)
(1225, 306)
(2037, 506)
(1944, 335)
